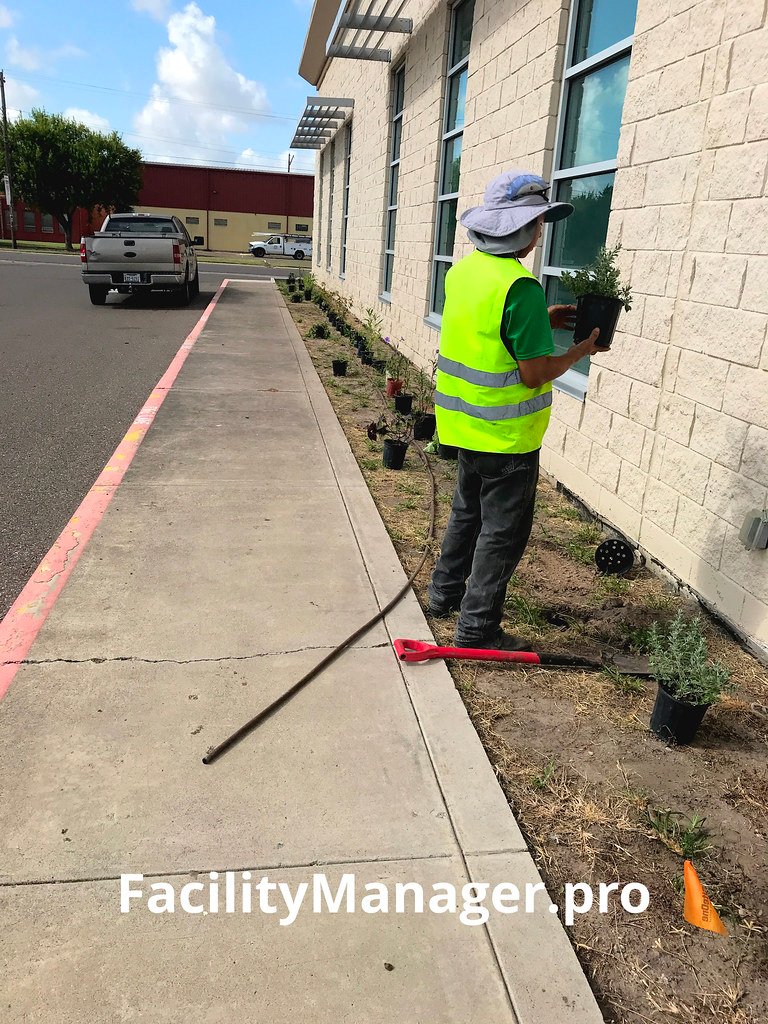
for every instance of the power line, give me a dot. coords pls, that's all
(147, 96)
(162, 138)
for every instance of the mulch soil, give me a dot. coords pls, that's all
(598, 796)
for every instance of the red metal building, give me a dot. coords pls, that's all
(204, 196)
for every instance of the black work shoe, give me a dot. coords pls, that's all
(442, 611)
(500, 642)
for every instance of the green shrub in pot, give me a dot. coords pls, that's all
(600, 296)
(688, 681)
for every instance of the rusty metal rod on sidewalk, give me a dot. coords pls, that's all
(215, 753)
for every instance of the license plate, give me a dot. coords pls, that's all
(132, 278)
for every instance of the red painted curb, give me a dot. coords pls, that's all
(23, 622)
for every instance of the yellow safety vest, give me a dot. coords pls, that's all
(480, 402)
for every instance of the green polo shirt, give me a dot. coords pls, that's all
(525, 327)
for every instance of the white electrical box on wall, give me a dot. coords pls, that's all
(754, 532)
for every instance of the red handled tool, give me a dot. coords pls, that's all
(417, 650)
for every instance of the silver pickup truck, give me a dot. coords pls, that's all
(137, 252)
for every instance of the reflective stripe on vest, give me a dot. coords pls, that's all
(485, 378)
(481, 403)
(495, 412)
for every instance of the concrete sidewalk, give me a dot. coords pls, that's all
(242, 544)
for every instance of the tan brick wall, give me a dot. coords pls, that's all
(682, 400)
(670, 444)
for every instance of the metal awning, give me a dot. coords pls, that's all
(359, 30)
(322, 117)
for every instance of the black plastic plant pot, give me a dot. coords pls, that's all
(404, 404)
(597, 311)
(379, 365)
(424, 427)
(673, 720)
(447, 451)
(366, 358)
(394, 453)
(308, 294)
(339, 367)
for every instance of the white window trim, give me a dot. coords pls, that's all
(320, 211)
(433, 318)
(390, 208)
(573, 382)
(345, 208)
(331, 185)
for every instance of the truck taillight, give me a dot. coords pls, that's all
(83, 258)
(176, 254)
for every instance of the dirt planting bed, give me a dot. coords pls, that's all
(599, 798)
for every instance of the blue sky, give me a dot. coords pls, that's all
(210, 81)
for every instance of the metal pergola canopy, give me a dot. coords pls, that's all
(358, 30)
(322, 117)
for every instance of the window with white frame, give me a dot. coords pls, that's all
(595, 82)
(319, 249)
(462, 17)
(396, 135)
(345, 210)
(331, 185)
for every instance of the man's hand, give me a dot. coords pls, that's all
(535, 372)
(588, 346)
(562, 317)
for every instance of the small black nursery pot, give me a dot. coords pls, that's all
(674, 720)
(424, 427)
(597, 311)
(404, 404)
(339, 367)
(394, 453)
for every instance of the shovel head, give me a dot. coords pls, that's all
(628, 666)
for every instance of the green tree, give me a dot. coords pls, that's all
(60, 165)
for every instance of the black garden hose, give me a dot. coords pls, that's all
(215, 753)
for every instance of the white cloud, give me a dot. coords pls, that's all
(31, 59)
(195, 71)
(20, 56)
(20, 98)
(88, 118)
(6, 17)
(158, 9)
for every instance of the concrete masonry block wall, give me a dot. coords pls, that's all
(512, 96)
(671, 444)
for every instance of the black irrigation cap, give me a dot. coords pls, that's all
(614, 557)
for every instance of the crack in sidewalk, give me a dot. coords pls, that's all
(183, 661)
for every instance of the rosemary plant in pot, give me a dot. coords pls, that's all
(600, 296)
(689, 682)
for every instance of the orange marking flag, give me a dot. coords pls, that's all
(698, 906)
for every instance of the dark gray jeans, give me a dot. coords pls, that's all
(487, 533)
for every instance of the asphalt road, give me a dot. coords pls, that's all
(74, 377)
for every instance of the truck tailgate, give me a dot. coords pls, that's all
(113, 253)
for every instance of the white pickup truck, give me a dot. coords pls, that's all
(140, 252)
(298, 246)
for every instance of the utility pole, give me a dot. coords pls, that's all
(8, 180)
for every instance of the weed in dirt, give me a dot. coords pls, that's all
(613, 586)
(588, 534)
(543, 779)
(525, 611)
(628, 685)
(445, 498)
(404, 506)
(685, 836)
(564, 511)
(370, 464)
(579, 552)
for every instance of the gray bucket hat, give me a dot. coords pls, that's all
(512, 200)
